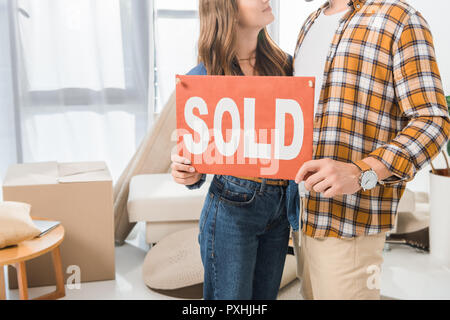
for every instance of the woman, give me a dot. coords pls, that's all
(244, 230)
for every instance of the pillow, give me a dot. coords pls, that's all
(174, 262)
(16, 224)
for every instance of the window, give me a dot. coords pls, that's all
(68, 46)
(176, 31)
(176, 34)
(80, 75)
(73, 51)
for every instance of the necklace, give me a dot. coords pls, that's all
(247, 59)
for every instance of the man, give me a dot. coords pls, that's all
(380, 116)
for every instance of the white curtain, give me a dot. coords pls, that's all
(8, 151)
(81, 71)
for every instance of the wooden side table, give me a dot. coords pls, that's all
(28, 250)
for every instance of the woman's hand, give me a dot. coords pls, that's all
(183, 172)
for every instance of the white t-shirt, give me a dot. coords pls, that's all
(311, 57)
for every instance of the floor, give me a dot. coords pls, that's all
(407, 274)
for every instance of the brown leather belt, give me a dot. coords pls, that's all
(269, 182)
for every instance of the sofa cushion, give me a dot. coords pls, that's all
(156, 197)
(156, 231)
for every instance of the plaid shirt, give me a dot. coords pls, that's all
(382, 97)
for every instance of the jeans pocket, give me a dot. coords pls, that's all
(234, 194)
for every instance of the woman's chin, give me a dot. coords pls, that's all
(270, 19)
(264, 23)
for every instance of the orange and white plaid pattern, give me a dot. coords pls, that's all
(382, 97)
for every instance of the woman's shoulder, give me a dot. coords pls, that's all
(199, 70)
(290, 58)
(290, 64)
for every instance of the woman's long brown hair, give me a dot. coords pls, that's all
(217, 43)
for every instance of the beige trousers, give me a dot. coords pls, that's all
(339, 269)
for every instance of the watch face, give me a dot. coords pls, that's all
(369, 180)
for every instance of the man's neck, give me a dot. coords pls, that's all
(336, 6)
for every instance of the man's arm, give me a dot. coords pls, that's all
(421, 99)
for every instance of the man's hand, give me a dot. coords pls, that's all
(329, 177)
(183, 172)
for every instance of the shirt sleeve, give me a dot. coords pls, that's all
(421, 102)
(198, 184)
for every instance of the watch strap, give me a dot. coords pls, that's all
(364, 167)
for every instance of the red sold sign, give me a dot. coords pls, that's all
(246, 126)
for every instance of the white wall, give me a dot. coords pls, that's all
(292, 15)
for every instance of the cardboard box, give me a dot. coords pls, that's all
(80, 195)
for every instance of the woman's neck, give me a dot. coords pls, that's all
(247, 41)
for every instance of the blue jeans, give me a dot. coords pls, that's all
(244, 234)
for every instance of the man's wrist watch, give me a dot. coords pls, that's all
(368, 179)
